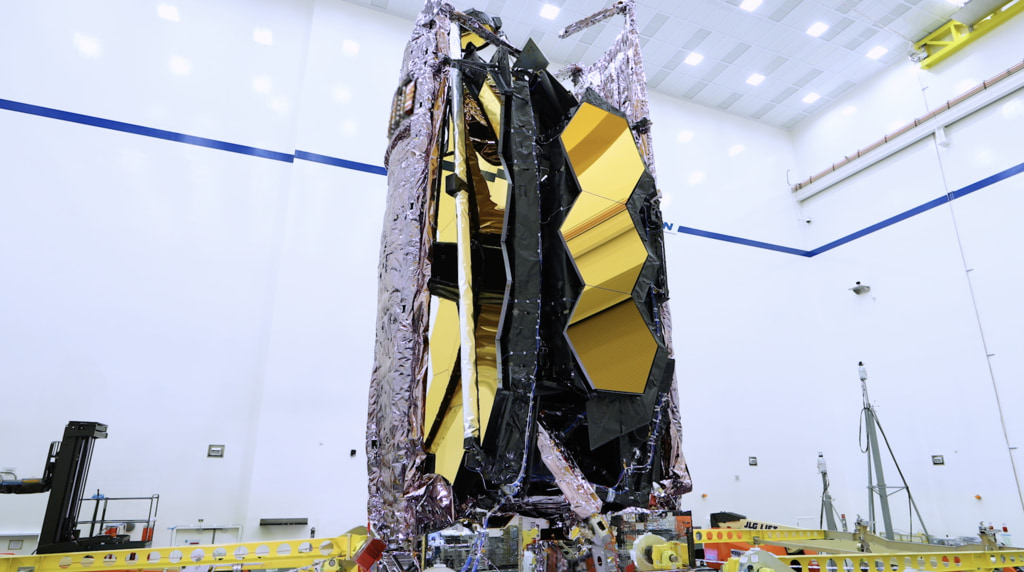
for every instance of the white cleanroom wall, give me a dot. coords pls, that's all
(194, 294)
(941, 301)
(176, 291)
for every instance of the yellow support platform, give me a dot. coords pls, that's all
(320, 554)
(954, 36)
(923, 558)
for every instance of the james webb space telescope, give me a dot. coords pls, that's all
(523, 355)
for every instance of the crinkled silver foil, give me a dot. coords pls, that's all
(618, 76)
(431, 497)
(570, 480)
(398, 380)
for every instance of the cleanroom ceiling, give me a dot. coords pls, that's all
(729, 41)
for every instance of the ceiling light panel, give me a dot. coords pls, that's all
(168, 12)
(817, 29)
(263, 36)
(755, 79)
(778, 48)
(877, 52)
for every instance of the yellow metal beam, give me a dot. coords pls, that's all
(750, 536)
(935, 559)
(951, 561)
(954, 36)
(325, 554)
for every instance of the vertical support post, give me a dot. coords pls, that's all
(826, 497)
(467, 329)
(876, 457)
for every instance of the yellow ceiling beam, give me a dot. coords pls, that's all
(955, 36)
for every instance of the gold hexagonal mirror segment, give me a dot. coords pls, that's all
(608, 333)
(602, 152)
(615, 348)
(609, 258)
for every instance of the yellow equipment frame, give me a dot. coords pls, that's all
(320, 554)
(953, 36)
(930, 559)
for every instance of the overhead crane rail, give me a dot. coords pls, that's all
(319, 554)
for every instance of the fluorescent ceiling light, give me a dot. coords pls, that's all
(88, 47)
(750, 5)
(811, 97)
(817, 29)
(279, 103)
(877, 52)
(168, 12)
(549, 11)
(755, 79)
(261, 84)
(341, 94)
(180, 66)
(693, 59)
(263, 36)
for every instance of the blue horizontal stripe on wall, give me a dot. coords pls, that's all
(344, 164)
(144, 131)
(377, 170)
(737, 240)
